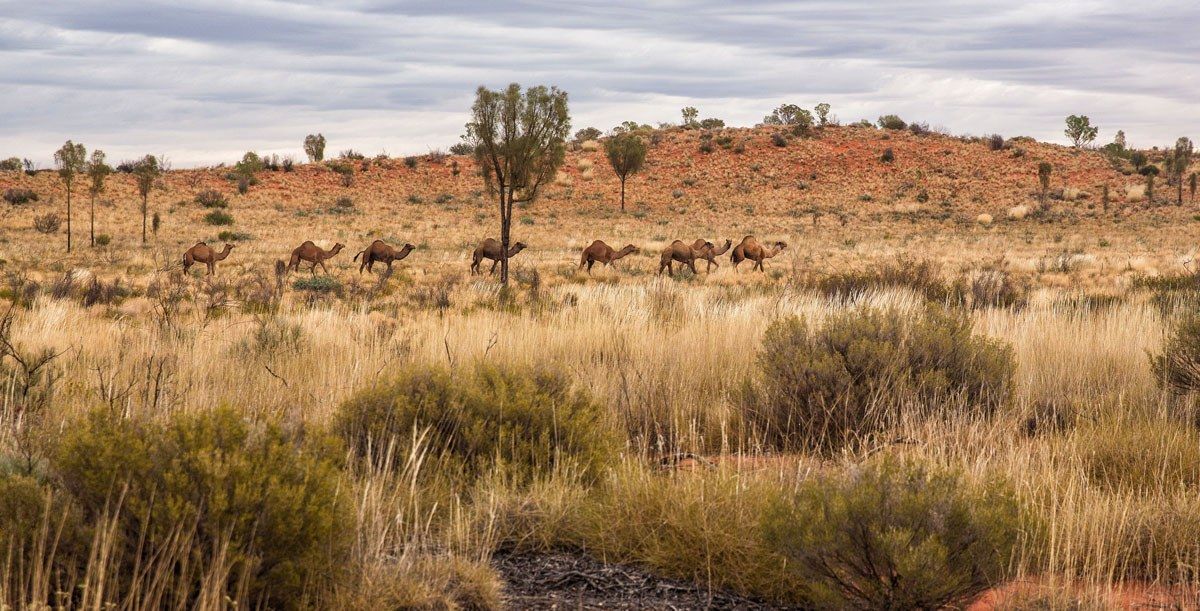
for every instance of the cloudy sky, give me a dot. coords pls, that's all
(202, 81)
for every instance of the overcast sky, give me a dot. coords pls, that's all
(203, 81)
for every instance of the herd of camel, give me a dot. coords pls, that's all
(749, 249)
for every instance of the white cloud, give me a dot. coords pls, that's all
(205, 82)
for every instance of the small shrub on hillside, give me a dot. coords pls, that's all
(410, 162)
(343, 205)
(461, 148)
(19, 195)
(218, 217)
(997, 289)
(12, 164)
(204, 480)
(1177, 366)
(995, 142)
(524, 423)
(822, 387)
(892, 122)
(779, 139)
(919, 128)
(234, 236)
(318, 284)
(891, 535)
(103, 239)
(888, 155)
(921, 277)
(47, 223)
(211, 198)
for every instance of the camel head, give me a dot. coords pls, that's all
(779, 246)
(628, 250)
(516, 248)
(336, 248)
(407, 248)
(228, 247)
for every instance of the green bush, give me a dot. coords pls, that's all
(19, 195)
(1140, 457)
(822, 387)
(481, 418)
(892, 122)
(212, 478)
(234, 236)
(921, 277)
(1177, 366)
(103, 239)
(318, 284)
(888, 155)
(891, 535)
(218, 217)
(211, 198)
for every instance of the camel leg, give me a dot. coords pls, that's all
(495, 262)
(590, 262)
(323, 268)
(692, 264)
(211, 268)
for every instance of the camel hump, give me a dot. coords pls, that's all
(308, 243)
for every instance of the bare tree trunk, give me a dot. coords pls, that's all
(92, 218)
(145, 206)
(68, 219)
(622, 194)
(506, 197)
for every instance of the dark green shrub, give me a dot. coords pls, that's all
(19, 195)
(892, 122)
(995, 142)
(234, 236)
(410, 162)
(891, 535)
(103, 239)
(12, 164)
(218, 217)
(823, 387)
(921, 277)
(318, 284)
(211, 198)
(1177, 366)
(461, 148)
(212, 478)
(481, 418)
(779, 139)
(888, 155)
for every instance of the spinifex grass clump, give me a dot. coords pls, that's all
(480, 419)
(824, 386)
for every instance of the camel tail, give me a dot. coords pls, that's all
(359, 254)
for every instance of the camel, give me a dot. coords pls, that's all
(201, 253)
(490, 249)
(678, 252)
(749, 248)
(380, 252)
(710, 252)
(313, 254)
(599, 252)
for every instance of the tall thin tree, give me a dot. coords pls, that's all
(71, 160)
(1181, 159)
(626, 153)
(519, 139)
(146, 172)
(97, 171)
(1044, 172)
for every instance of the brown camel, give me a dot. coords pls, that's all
(678, 252)
(201, 253)
(749, 248)
(380, 252)
(313, 254)
(710, 252)
(599, 252)
(490, 249)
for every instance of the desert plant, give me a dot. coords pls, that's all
(218, 217)
(519, 140)
(146, 173)
(626, 154)
(891, 122)
(1140, 457)
(314, 147)
(823, 387)
(234, 236)
(97, 171)
(896, 535)
(461, 148)
(211, 486)
(779, 139)
(789, 114)
(410, 162)
(480, 419)
(12, 164)
(71, 160)
(1150, 172)
(1177, 366)
(995, 142)
(712, 123)
(1080, 130)
(1044, 172)
(1178, 163)
(690, 116)
(19, 195)
(211, 198)
(103, 239)
(47, 223)
(888, 155)
(822, 112)
(587, 133)
(318, 284)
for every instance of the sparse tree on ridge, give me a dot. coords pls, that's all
(690, 116)
(822, 112)
(71, 160)
(789, 114)
(587, 133)
(146, 172)
(1119, 140)
(1192, 186)
(97, 171)
(520, 142)
(314, 147)
(1080, 130)
(1181, 159)
(626, 153)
